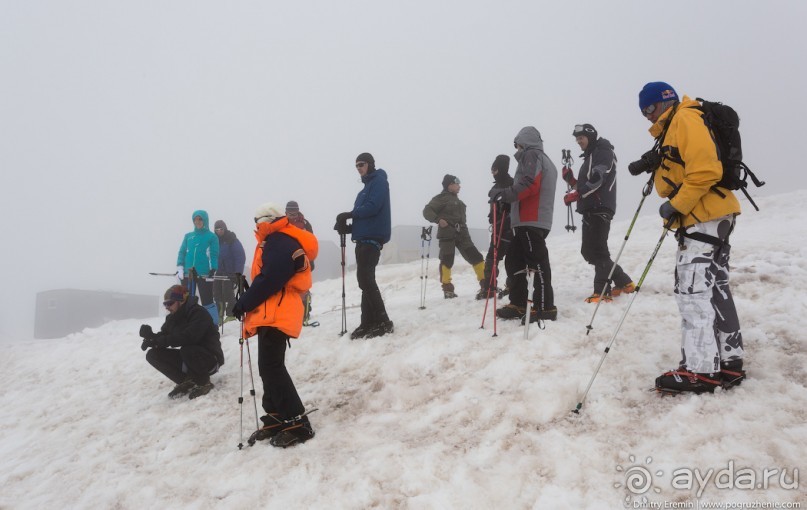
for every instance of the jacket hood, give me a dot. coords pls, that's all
(203, 214)
(529, 138)
(378, 172)
(600, 143)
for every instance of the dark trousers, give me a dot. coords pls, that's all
(224, 294)
(279, 394)
(372, 304)
(188, 361)
(596, 226)
(204, 288)
(528, 249)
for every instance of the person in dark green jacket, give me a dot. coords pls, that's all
(448, 211)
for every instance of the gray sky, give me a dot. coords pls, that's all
(118, 119)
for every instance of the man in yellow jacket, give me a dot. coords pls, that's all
(272, 308)
(687, 168)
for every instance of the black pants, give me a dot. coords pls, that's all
(204, 288)
(372, 304)
(279, 394)
(596, 226)
(528, 249)
(224, 294)
(188, 361)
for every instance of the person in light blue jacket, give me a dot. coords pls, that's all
(200, 251)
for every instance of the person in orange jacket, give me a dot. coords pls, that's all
(272, 308)
(687, 167)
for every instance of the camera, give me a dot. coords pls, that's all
(649, 161)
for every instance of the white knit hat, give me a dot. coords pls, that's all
(267, 212)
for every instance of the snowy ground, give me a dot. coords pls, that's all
(440, 414)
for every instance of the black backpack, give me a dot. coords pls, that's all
(724, 123)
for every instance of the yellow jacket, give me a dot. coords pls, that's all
(691, 166)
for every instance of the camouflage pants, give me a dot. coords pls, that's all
(710, 328)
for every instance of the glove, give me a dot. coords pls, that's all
(146, 332)
(496, 196)
(343, 217)
(180, 272)
(238, 311)
(212, 273)
(667, 210)
(568, 176)
(146, 344)
(572, 196)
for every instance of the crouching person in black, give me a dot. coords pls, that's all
(187, 349)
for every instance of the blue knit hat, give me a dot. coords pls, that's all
(654, 92)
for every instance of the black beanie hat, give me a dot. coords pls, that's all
(449, 179)
(501, 163)
(367, 158)
(220, 224)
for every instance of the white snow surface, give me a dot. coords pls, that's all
(440, 414)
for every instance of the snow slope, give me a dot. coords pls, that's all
(440, 414)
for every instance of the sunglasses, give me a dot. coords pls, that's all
(361, 164)
(168, 303)
(649, 110)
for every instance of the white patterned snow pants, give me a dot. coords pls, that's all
(710, 328)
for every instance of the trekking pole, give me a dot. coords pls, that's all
(239, 291)
(645, 192)
(568, 162)
(343, 243)
(425, 246)
(530, 276)
(497, 236)
(192, 281)
(625, 314)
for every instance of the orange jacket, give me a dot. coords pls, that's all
(283, 310)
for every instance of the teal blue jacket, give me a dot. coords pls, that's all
(200, 248)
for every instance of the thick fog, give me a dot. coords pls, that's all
(118, 120)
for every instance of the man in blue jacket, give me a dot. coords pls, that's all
(231, 262)
(371, 228)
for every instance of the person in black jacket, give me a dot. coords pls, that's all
(187, 348)
(501, 179)
(594, 190)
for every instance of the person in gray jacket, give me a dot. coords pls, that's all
(448, 211)
(532, 199)
(594, 190)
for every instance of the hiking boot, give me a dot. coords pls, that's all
(380, 329)
(504, 292)
(511, 311)
(627, 289)
(449, 294)
(732, 373)
(597, 297)
(182, 388)
(482, 294)
(295, 432)
(360, 332)
(550, 314)
(200, 389)
(682, 380)
(272, 425)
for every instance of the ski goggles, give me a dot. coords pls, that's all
(649, 110)
(580, 129)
